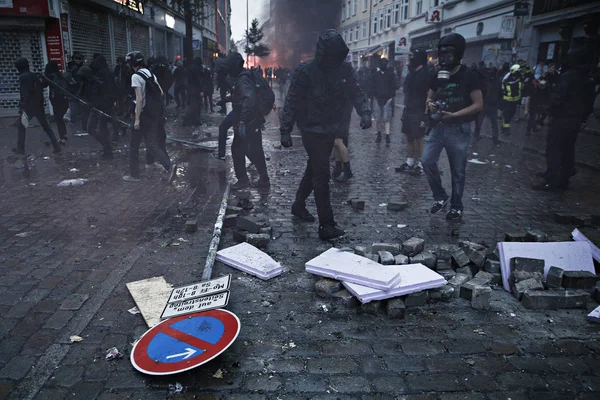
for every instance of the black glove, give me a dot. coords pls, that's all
(365, 121)
(286, 140)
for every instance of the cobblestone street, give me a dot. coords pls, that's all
(68, 252)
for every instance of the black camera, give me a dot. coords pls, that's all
(441, 106)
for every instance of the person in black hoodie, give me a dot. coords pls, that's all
(195, 77)
(322, 94)
(209, 88)
(384, 90)
(164, 75)
(75, 83)
(492, 87)
(100, 88)
(222, 84)
(247, 123)
(179, 75)
(571, 104)
(31, 103)
(59, 100)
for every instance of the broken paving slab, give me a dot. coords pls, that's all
(591, 236)
(413, 278)
(349, 267)
(150, 296)
(594, 316)
(570, 256)
(251, 260)
(413, 246)
(554, 299)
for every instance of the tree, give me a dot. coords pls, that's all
(253, 37)
(192, 10)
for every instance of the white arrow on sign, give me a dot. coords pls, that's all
(188, 353)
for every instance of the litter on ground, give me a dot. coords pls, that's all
(251, 260)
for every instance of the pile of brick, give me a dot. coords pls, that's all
(469, 268)
(560, 289)
(254, 229)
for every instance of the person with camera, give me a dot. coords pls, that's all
(454, 101)
(322, 94)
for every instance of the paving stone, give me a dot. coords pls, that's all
(535, 235)
(395, 308)
(434, 383)
(233, 210)
(443, 265)
(230, 221)
(345, 298)
(582, 220)
(554, 277)
(447, 273)
(444, 252)
(385, 257)
(67, 375)
(372, 257)
(259, 240)
(427, 258)
(327, 287)
(331, 366)
(444, 293)
(413, 246)
(485, 276)
(518, 276)
(59, 319)
(360, 250)
(17, 368)
(497, 279)
(266, 231)
(350, 384)
(401, 259)
(480, 298)
(554, 299)
(458, 280)
(239, 235)
(74, 301)
(460, 259)
(466, 290)
(266, 383)
(531, 265)
(422, 348)
(515, 237)
(356, 204)
(397, 205)
(465, 271)
(347, 250)
(477, 258)
(528, 284)
(191, 225)
(491, 266)
(454, 365)
(416, 299)
(371, 307)
(252, 223)
(393, 248)
(584, 280)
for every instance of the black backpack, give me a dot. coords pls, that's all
(265, 98)
(154, 101)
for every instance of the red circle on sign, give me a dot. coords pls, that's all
(143, 363)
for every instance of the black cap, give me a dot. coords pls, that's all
(457, 41)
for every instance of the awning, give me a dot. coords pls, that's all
(375, 49)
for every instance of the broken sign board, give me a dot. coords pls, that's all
(200, 289)
(150, 296)
(210, 302)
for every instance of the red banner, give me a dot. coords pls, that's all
(54, 44)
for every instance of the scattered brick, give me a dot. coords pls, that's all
(356, 204)
(515, 237)
(416, 299)
(395, 308)
(480, 297)
(491, 266)
(554, 299)
(230, 221)
(327, 287)
(371, 307)
(466, 290)
(393, 248)
(528, 284)
(486, 276)
(526, 265)
(459, 258)
(191, 226)
(535, 235)
(344, 298)
(397, 205)
(360, 250)
(564, 218)
(413, 246)
(427, 258)
(385, 257)
(401, 259)
(554, 277)
(259, 240)
(584, 280)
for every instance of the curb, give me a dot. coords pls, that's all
(216, 239)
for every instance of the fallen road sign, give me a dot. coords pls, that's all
(182, 343)
(211, 302)
(200, 289)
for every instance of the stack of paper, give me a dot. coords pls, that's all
(248, 258)
(591, 236)
(570, 256)
(413, 278)
(349, 267)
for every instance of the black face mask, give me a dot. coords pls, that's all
(448, 59)
(383, 65)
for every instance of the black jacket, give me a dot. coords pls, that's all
(101, 89)
(323, 91)
(32, 98)
(574, 94)
(493, 91)
(58, 98)
(243, 98)
(384, 84)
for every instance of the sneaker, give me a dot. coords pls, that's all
(262, 183)
(337, 170)
(388, 140)
(302, 214)
(345, 176)
(172, 172)
(57, 150)
(129, 178)
(404, 168)
(418, 170)
(240, 185)
(454, 215)
(218, 157)
(328, 232)
(438, 206)
(378, 138)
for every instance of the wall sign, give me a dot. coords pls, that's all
(134, 5)
(507, 28)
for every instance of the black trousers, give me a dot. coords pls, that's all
(161, 142)
(223, 92)
(97, 126)
(250, 146)
(194, 111)
(148, 131)
(180, 95)
(208, 101)
(59, 113)
(490, 112)
(560, 150)
(316, 176)
(41, 117)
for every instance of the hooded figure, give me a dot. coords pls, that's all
(99, 89)
(31, 103)
(320, 99)
(58, 98)
(384, 91)
(195, 75)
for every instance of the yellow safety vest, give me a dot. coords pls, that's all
(512, 91)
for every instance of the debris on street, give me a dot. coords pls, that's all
(594, 316)
(251, 260)
(75, 339)
(134, 311)
(218, 374)
(24, 234)
(176, 388)
(150, 296)
(590, 236)
(72, 182)
(113, 353)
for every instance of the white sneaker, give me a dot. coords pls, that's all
(129, 178)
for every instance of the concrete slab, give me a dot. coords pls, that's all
(413, 278)
(351, 268)
(150, 296)
(251, 260)
(594, 316)
(570, 256)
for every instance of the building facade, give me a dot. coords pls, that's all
(496, 31)
(52, 30)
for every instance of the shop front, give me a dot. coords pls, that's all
(427, 42)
